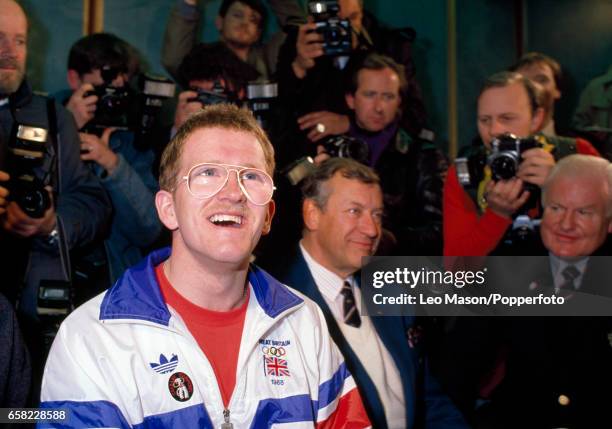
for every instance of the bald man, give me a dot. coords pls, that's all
(67, 207)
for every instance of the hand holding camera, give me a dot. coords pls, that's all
(82, 104)
(536, 166)
(16, 221)
(309, 46)
(323, 124)
(187, 106)
(505, 197)
(97, 149)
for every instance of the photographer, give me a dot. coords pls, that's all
(102, 64)
(477, 218)
(211, 74)
(411, 170)
(240, 24)
(312, 60)
(50, 203)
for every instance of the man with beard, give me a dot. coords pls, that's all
(49, 201)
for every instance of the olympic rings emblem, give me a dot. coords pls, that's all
(274, 351)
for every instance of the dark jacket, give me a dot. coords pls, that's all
(182, 32)
(426, 406)
(15, 372)
(82, 207)
(551, 371)
(412, 174)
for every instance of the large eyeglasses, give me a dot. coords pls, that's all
(206, 180)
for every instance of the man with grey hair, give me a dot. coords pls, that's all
(342, 212)
(554, 369)
(577, 207)
(479, 218)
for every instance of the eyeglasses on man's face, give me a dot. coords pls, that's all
(207, 179)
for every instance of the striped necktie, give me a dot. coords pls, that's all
(568, 287)
(351, 315)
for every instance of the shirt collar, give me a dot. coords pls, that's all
(329, 283)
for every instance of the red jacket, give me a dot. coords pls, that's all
(467, 232)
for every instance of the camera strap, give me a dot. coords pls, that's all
(55, 184)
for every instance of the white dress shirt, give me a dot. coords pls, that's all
(364, 341)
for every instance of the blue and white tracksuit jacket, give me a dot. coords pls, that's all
(116, 360)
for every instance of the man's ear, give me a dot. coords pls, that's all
(164, 203)
(74, 80)
(269, 216)
(219, 23)
(538, 120)
(350, 100)
(610, 227)
(311, 214)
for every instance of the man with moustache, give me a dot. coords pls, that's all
(195, 334)
(78, 208)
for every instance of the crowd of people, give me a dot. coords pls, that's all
(146, 284)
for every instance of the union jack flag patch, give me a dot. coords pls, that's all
(276, 367)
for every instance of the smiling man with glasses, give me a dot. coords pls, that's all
(195, 335)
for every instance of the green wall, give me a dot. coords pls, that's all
(53, 27)
(577, 33)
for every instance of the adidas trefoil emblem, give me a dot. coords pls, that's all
(165, 366)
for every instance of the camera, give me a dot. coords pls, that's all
(503, 159)
(344, 146)
(27, 151)
(336, 32)
(112, 107)
(217, 95)
(341, 146)
(154, 90)
(506, 153)
(260, 97)
(126, 108)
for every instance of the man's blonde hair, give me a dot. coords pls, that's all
(226, 116)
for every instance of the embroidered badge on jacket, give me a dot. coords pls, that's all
(180, 386)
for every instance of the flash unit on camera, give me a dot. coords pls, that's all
(26, 132)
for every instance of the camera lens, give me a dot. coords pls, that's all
(358, 150)
(334, 36)
(503, 167)
(34, 202)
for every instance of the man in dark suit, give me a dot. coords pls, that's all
(547, 372)
(342, 211)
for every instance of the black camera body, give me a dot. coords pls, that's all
(217, 95)
(154, 91)
(336, 32)
(260, 99)
(341, 146)
(506, 155)
(113, 106)
(344, 146)
(27, 147)
(126, 108)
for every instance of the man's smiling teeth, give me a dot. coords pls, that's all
(224, 218)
